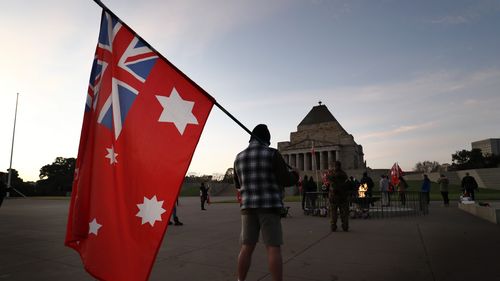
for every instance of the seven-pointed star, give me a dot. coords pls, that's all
(112, 155)
(150, 211)
(177, 111)
(94, 227)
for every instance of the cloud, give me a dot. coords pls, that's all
(468, 14)
(397, 131)
(190, 26)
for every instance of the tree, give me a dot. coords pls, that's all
(229, 175)
(57, 178)
(427, 167)
(15, 180)
(473, 159)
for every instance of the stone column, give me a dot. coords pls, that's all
(307, 156)
(300, 161)
(293, 160)
(323, 160)
(337, 156)
(331, 159)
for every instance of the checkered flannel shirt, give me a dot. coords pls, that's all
(260, 173)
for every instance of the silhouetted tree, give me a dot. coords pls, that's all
(229, 175)
(57, 178)
(427, 167)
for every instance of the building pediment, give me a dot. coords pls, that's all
(308, 144)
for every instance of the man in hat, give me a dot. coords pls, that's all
(260, 174)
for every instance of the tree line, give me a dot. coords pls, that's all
(56, 179)
(461, 160)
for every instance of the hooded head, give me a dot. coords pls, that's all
(260, 131)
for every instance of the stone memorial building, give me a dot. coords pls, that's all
(319, 141)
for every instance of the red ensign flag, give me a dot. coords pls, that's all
(143, 119)
(396, 172)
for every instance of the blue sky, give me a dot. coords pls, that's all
(410, 80)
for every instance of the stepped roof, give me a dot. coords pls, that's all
(318, 114)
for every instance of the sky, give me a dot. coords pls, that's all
(410, 80)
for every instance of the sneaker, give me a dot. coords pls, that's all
(170, 223)
(178, 223)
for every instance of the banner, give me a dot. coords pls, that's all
(143, 119)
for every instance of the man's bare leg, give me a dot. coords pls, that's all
(275, 262)
(244, 260)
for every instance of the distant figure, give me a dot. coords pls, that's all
(261, 174)
(339, 194)
(469, 185)
(303, 186)
(384, 190)
(3, 190)
(402, 187)
(443, 188)
(354, 183)
(174, 215)
(203, 195)
(369, 184)
(426, 189)
(311, 197)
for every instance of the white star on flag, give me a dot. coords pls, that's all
(177, 111)
(150, 211)
(112, 155)
(94, 227)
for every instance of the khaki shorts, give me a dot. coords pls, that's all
(267, 223)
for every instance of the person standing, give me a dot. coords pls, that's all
(402, 187)
(312, 188)
(369, 185)
(443, 188)
(384, 190)
(469, 185)
(3, 189)
(203, 195)
(303, 186)
(339, 194)
(426, 189)
(260, 173)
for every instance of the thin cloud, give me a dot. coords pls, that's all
(397, 131)
(467, 15)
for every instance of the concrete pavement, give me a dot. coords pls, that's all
(447, 244)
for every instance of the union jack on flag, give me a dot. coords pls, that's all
(129, 63)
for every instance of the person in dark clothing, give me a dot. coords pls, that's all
(443, 188)
(369, 184)
(339, 193)
(174, 215)
(311, 187)
(426, 189)
(203, 195)
(261, 175)
(304, 185)
(3, 190)
(469, 185)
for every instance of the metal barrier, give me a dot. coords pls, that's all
(316, 204)
(377, 205)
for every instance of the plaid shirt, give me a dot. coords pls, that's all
(260, 173)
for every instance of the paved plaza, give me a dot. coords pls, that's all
(447, 244)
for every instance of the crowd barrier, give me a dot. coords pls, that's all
(376, 205)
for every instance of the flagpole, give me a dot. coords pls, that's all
(12, 149)
(106, 9)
